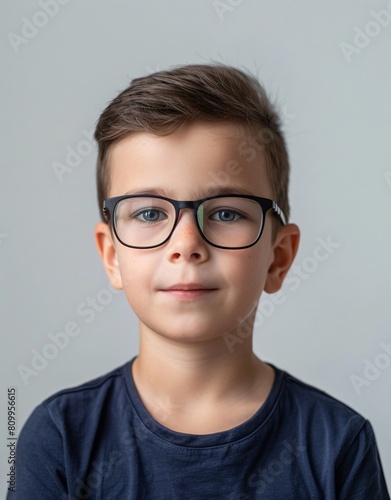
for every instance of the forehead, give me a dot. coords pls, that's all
(196, 160)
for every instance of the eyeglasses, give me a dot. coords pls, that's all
(226, 221)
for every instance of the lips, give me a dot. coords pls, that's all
(185, 292)
(189, 286)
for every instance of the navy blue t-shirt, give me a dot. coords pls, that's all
(98, 441)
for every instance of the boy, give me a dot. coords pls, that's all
(193, 190)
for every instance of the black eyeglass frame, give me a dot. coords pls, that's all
(265, 203)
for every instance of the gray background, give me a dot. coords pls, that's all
(336, 110)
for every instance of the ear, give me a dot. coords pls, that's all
(284, 251)
(106, 249)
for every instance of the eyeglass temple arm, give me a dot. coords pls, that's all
(277, 210)
(105, 212)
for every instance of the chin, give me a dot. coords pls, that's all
(189, 335)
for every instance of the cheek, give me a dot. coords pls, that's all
(135, 282)
(246, 269)
(252, 271)
(134, 273)
(256, 280)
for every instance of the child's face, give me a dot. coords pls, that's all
(183, 166)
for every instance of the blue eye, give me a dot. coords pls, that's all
(149, 215)
(226, 216)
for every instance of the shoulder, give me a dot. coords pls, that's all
(329, 427)
(324, 416)
(59, 434)
(88, 393)
(335, 439)
(314, 401)
(80, 406)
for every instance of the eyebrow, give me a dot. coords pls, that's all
(152, 190)
(203, 192)
(217, 190)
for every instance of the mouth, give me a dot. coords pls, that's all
(188, 287)
(188, 291)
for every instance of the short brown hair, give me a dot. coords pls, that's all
(163, 101)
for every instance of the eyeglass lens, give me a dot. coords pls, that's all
(228, 222)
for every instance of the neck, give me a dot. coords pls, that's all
(195, 378)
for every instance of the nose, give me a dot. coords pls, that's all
(186, 242)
